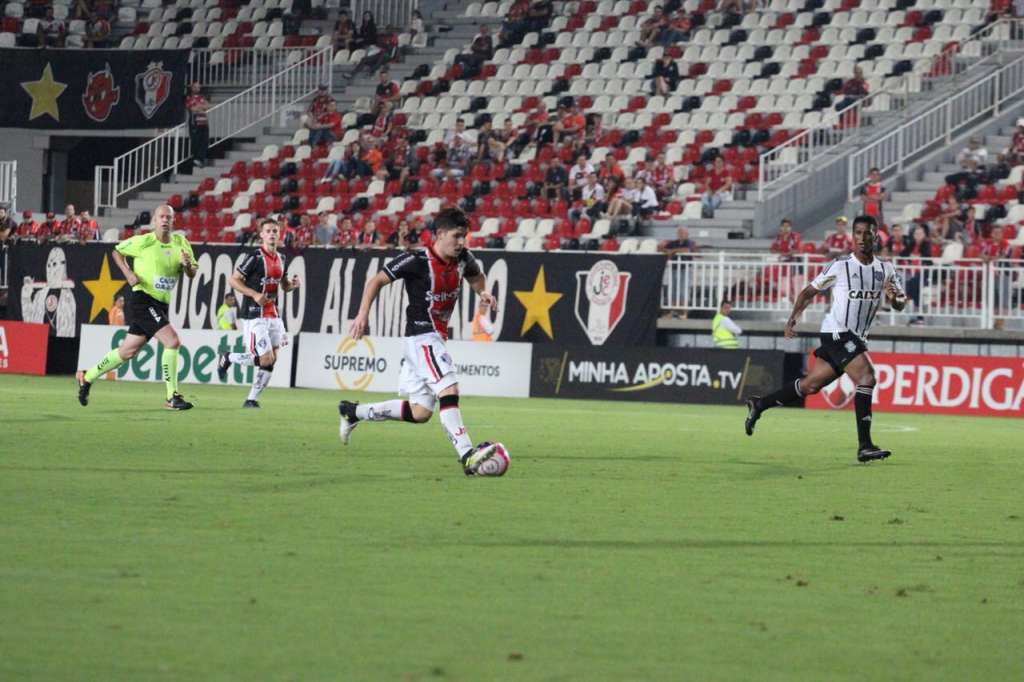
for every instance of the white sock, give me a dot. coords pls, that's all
(378, 412)
(451, 420)
(259, 383)
(243, 359)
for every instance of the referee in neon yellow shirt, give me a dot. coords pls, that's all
(158, 260)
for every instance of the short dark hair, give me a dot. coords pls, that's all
(451, 218)
(866, 220)
(267, 221)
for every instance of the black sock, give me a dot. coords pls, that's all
(787, 395)
(862, 406)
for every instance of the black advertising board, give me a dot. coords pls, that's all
(684, 375)
(572, 299)
(93, 89)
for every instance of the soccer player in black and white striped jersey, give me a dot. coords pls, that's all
(860, 284)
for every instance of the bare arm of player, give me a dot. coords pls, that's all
(289, 284)
(189, 265)
(802, 301)
(479, 282)
(237, 283)
(897, 300)
(122, 264)
(362, 321)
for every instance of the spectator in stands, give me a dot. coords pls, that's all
(1015, 152)
(88, 228)
(28, 227)
(480, 50)
(949, 212)
(458, 161)
(897, 241)
(998, 170)
(318, 104)
(593, 131)
(570, 127)
(305, 233)
(872, 195)
(367, 34)
(678, 29)
(539, 15)
(787, 242)
(839, 243)
(458, 131)
(996, 250)
(506, 136)
(344, 32)
(345, 235)
(592, 199)
(556, 181)
(198, 123)
(665, 75)
(367, 238)
(578, 175)
(719, 188)
(647, 203)
(47, 230)
(972, 156)
(387, 91)
(401, 162)
(372, 160)
(82, 10)
(659, 174)
(854, 89)
(51, 31)
(405, 237)
(610, 171)
(66, 228)
(382, 125)
(682, 245)
(488, 145)
(723, 330)
(97, 32)
(8, 228)
(917, 250)
(116, 315)
(514, 27)
(347, 165)
(326, 129)
(323, 233)
(652, 26)
(624, 199)
(416, 25)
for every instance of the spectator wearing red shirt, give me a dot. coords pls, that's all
(719, 187)
(97, 32)
(609, 170)
(571, 126)
(319, 103)
(660, 177)
(46, 230)
(840, 242)
(367, 238)
(67, 228)
(382, 124)
(872, 195)
(994, 249)
(1015, 152)
(346, 234)
(28, 227)
(88, 229)
(198, 124)
(327, 128)
(787, 241)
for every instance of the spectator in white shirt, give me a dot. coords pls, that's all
(648, 199)
(579, 172)
(973, 155)
(592, 197)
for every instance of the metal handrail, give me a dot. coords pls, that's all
(167, 151)
(242, 66)
(935, 127)
(839, 126)
(9, 185)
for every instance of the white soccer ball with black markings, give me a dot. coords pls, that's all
(498, 464)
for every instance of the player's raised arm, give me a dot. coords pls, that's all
(370, 292)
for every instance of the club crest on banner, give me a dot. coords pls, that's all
(839, 393)
(601, 296)
(101, 94)
(152, 88)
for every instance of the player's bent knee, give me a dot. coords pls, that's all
(420, 414)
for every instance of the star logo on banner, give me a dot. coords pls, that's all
(103, 290)
(538, 303)
(44, 93)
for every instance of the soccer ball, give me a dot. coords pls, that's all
(496, 465)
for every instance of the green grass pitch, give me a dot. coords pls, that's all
(628, 542)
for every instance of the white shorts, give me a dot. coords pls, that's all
(264, 333)
(427, 369)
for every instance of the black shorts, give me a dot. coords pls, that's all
(147, 315)
(839, 352)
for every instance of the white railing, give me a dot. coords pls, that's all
(9, 185)
(396, 13)
(839, 126)
(937, 126)
(969, 292)
(165, 152)
(242, 66)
